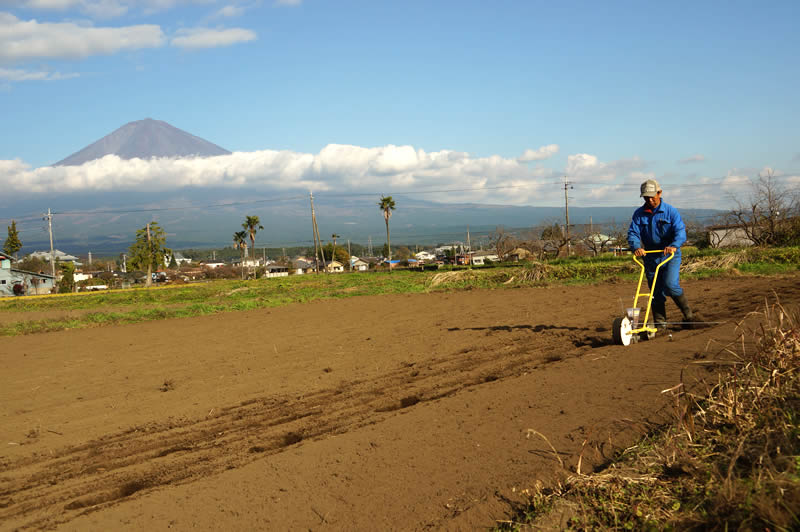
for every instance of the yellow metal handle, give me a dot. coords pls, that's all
(649, 295)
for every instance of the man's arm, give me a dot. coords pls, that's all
(679, 229)
(634, 238)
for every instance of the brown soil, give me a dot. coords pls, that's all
(390, 412)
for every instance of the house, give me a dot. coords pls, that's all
(58, 255)
(276, 270)
(479, 258)
(211, 265)
(425, 256)
(519, 254)
(247, 263)
(301, 266)
(334, 266)
(180, 260)
(14, 282)
(720, 236)
(358, 264)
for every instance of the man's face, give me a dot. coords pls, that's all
(653, 201)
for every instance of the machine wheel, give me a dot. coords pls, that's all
(621, 331)
(647, 335)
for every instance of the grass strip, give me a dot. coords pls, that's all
(235, 295)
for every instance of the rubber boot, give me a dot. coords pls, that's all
(659, 315)
(683, 304)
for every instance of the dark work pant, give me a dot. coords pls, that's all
(668, 282)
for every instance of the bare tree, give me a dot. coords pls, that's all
(767, 214)
(595, 241)
(554, 237)
(501, 242)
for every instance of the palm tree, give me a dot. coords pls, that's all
(387, 206)
(240, 243)
(252, 224)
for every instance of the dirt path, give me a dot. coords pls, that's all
(391, 412)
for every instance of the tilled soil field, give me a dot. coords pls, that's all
(388, 412)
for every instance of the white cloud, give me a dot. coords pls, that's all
(27, 75)
(229, 11)
(288, 2)
(198, 38)
(540, 154)
(586, 167)
(335, 167)
(383, 169)
(22, 40)
(101, 8)
(697, 158)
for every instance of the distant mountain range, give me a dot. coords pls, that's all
(145, 139)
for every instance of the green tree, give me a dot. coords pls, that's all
(67, 282)
(386, 205)
(173, 264)
(13, 244)
(340, 254)
(149, 249)
(240, 243)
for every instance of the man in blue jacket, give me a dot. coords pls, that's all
(658, 225)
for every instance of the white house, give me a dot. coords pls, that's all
(276, 270)
(301, 266)
(211, 265)
(479, 258)
(334, 266)
(58, 255)
(180, 260)
(424, 256)
(358, 264)
(720, 236)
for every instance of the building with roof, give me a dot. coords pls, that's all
(57, 254)
(15, 282)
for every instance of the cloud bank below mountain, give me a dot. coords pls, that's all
(336, 167)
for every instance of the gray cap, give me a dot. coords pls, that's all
(650, 188)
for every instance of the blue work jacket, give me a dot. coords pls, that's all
(657, 230)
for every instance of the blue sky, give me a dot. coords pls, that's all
(689, 93)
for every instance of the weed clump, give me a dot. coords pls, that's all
(730, 461)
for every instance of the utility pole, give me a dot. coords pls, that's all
(124, 263)
(349, 256)
(334, 236)
(567, 186)
(369, 247)
(149, 258)
(49, 219)
(314, 232)
(469, 250)
(317, 240)
(90, 259)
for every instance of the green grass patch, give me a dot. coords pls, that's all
(114, 307)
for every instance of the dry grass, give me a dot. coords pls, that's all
(718, 262)
(730, 461)
(455, 276)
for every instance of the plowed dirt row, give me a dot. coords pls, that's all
(368, 410)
